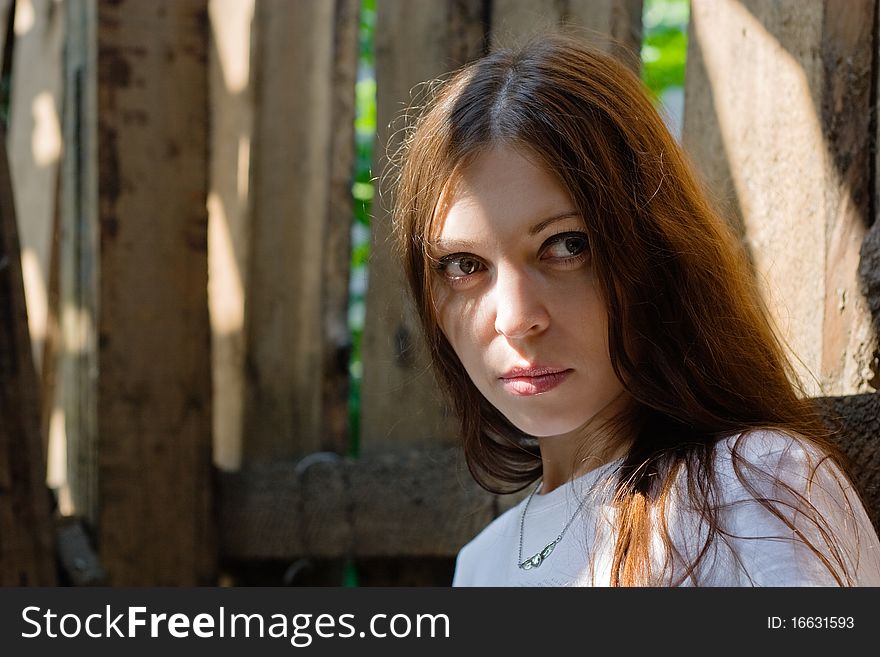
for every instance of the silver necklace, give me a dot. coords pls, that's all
(539, 557)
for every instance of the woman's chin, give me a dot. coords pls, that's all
(543, 429)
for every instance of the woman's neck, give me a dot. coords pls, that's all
(573, 454)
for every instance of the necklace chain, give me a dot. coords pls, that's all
(539, 557)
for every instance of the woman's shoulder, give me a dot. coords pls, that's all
(501, 528)
(762, 444)
(492, 540)
(773, 455)
(789, 514)
(779, 468)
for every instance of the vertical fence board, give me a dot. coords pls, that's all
(777, 104)
(337, 236)
(154, 417)
(35, 147)
(615, 26)
(400, 402)
(849, 342)
(73, 428)
(25, 545)
(34, 143)
(232, 115)
(300, 229)
(401, 405)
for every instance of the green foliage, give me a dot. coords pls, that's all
(664, 44)
(362, 191)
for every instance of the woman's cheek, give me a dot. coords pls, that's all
(450, 318)
(465, 334)
(442, 311)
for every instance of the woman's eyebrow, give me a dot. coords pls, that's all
(451, 245)
(541, 225)
(469, 245)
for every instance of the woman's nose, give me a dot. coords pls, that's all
(519, 309)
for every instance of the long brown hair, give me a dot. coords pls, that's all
(688, 334)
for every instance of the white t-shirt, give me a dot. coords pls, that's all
(757, 549)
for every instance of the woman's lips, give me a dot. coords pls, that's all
(533, 381)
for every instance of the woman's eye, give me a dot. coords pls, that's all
(565, 245)
(457, 266)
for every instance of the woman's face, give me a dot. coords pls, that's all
(516, 296)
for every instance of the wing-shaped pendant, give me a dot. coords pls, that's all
(538, 558)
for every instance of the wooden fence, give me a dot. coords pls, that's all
(181, 171)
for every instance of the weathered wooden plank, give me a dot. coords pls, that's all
(154, 388)
(51, 405)
(232, 115)
(296, 331)
(615, 26)
(415, 42)
(777, 106)
(423, 502)
(337, 233)
(34, 144)
(25, 545)
(396, 503)
(35, 151)
(73, 430)
(849, 341)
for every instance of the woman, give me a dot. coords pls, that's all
(597, 326)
